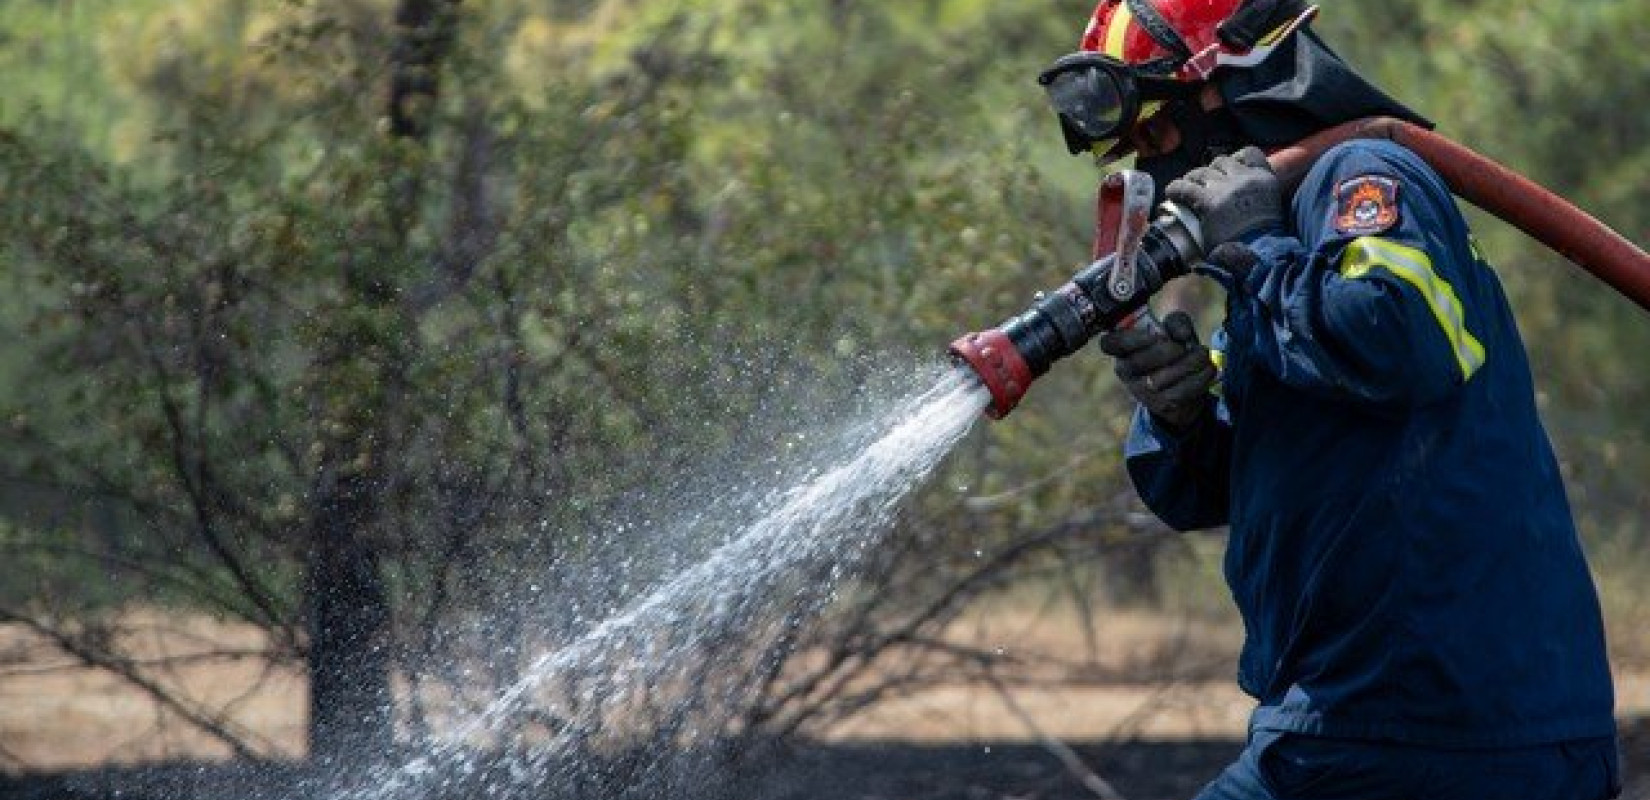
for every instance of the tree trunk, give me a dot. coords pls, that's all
(423, 37)
(352, 711)
(350, 703)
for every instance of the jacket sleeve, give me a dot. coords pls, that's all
(1363, 305)
(1184, 479)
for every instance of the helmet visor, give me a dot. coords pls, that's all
(1092, 103)
(1100, 99)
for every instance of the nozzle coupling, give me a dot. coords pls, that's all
(1058, 323)
(1005, 373)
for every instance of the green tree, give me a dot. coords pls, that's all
(359, 328)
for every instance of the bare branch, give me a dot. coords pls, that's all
(191, 475)
(239, 740)
(1060, 750)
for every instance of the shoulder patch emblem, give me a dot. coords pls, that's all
(1366, 205)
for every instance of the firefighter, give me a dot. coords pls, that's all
(1420, 618)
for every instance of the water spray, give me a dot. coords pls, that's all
(1147, 255)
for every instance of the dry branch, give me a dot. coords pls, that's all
(244, 743)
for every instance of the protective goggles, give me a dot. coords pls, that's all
(1100, 99)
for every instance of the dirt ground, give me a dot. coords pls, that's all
(1144, 701)
(54, 715)
(1137, 676)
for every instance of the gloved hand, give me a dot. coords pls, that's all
(1231, 263)
(1235, 195)
(1165, 368)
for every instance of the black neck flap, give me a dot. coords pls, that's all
(1301, 89)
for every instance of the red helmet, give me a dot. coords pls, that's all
(1138, 54)
(1190, 38)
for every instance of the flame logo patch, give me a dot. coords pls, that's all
(1366, 205)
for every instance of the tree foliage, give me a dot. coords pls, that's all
(630, 241)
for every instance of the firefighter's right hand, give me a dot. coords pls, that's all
(1165, 367)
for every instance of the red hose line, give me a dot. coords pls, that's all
(1550, 219)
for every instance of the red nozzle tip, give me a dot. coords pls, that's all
(993, 357)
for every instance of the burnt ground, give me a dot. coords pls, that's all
(861, 771)
(811, 771)
(1138, 771)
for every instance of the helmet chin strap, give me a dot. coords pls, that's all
(1201, 65)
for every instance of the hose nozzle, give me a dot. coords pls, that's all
(1058, 323)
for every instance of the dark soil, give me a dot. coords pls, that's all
(1139, 771)
(891, 771)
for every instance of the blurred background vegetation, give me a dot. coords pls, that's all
(357, 330)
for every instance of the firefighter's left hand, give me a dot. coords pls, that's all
(1233, 197)
(1164, 366)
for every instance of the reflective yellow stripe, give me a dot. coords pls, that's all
(1218, 358)
(1276, 35)
(1114, 32)
(1415, 267)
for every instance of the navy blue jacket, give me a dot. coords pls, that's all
(1401, 548)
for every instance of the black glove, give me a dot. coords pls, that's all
(1165, 368)
(1233, 196)
(1236, 260)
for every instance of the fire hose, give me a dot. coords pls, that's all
(1104, 294)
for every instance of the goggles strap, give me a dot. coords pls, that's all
(1159, 28)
